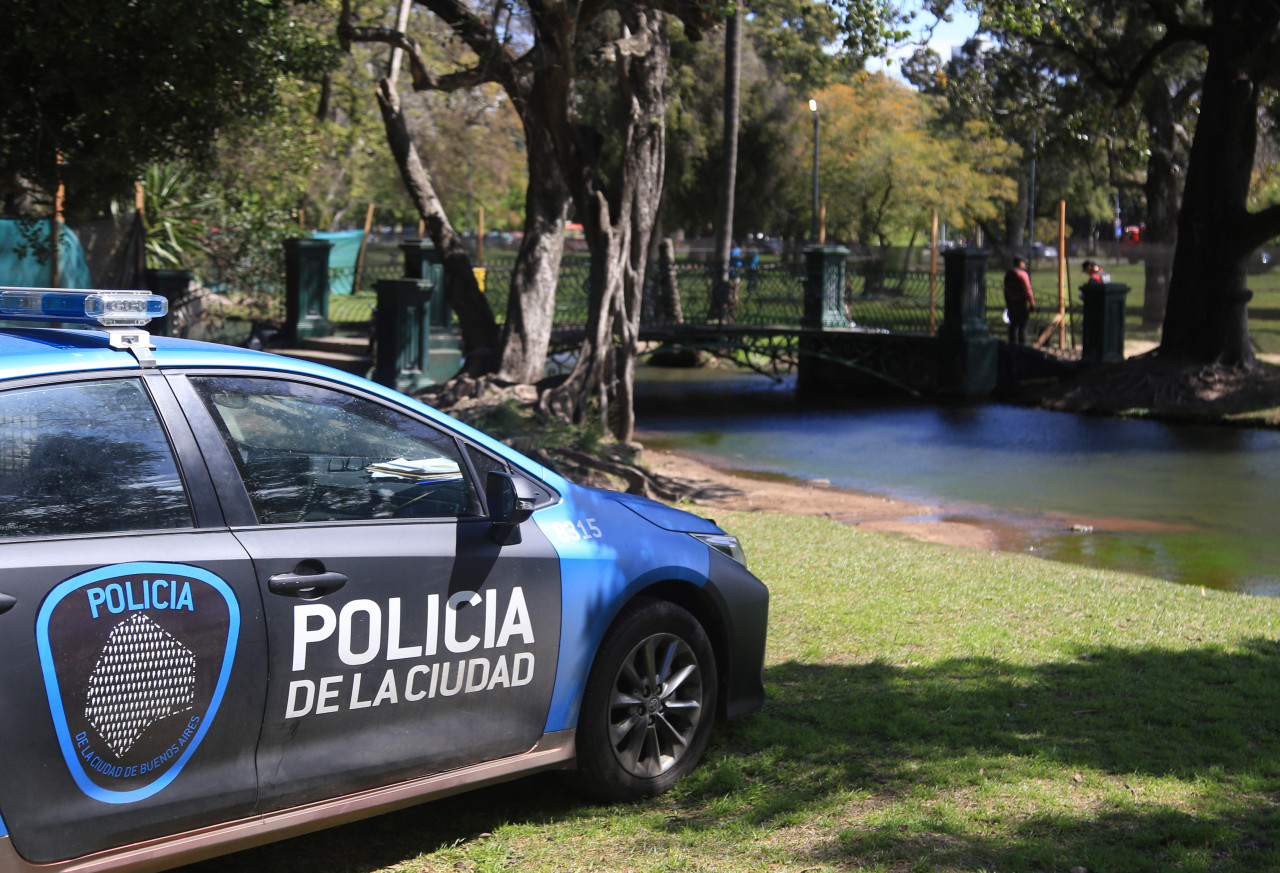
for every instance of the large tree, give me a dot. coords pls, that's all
(95, 90)
(1102, 49)
(1207, 315)
(1206, 320)
(1061, 129)
(493, 56)
(614, 192)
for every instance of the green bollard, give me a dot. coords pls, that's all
(824, 287)
(306, 283)
(1103, 340)
(422, 261)
(402, 331)
(966, 350)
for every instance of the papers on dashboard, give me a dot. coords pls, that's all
(421, 470)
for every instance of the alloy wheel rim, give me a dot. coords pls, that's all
(655, 705)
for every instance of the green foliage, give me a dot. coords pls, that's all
(793, 38)
(1085, 147)
(791, 50)
(177, 216)
(770, 130)
(98, 89)
(883, 168)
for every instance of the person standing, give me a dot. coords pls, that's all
(1019, 300)
(1093, 272)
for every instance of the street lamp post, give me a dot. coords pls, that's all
(1031, 219)
(813, 107)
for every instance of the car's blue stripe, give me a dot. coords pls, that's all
(598, 575)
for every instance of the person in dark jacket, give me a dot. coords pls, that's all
(1019, 301)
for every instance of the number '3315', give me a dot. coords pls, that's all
(571, 531)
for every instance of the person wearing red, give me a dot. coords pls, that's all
(1093, 272)
(1019, 300)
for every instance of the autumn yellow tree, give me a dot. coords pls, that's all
(885, 166)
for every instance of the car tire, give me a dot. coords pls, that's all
(649, 703)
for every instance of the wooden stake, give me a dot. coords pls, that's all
(54, 230)
(1054, 325)
(364, 241)
(480, 234)
(933, 273)
(1062, 274)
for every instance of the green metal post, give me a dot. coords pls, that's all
(422, 261)
(824, 287)
(306, 282)
(1103, 321)
(966, 350)
(402, 330)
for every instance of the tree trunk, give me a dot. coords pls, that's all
(1165, 164)
(669, 310)
(1206, 320)
(617, 223)
(531, 304)
(729, 169)
(479, 330)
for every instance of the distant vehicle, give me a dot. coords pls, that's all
(1263, 260)
(1042, 251)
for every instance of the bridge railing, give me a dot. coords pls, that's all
(767, 295)
(773, 296)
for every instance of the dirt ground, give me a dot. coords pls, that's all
(715, 488)
(1147, 385)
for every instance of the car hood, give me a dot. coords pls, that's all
(663, 516)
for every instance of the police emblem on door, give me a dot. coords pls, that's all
(136, 658)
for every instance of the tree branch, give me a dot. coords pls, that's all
(1259, 227)
(423, 79)
(468, 27)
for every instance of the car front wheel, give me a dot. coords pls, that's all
(649, 703)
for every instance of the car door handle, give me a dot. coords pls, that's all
(7, 603)
(305, 585)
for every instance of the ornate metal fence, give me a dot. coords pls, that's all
(770, 295)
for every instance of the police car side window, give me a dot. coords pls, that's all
(86, 457)
(308, 453)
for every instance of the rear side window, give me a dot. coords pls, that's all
(312, 454)
(87, 457)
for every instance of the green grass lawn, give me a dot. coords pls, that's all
(929, 709)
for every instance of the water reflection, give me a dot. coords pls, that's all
(1189, 503)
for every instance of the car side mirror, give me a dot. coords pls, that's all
(511, 502)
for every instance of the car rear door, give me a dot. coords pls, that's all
(131, 635)
(403, 640)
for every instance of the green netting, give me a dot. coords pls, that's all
(24, 259)
(342, 258)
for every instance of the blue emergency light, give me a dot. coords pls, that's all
(103, 308)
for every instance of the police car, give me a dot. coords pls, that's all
(243, 597)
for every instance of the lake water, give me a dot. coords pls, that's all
(1193, 504)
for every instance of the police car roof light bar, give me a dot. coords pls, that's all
(98, 308)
